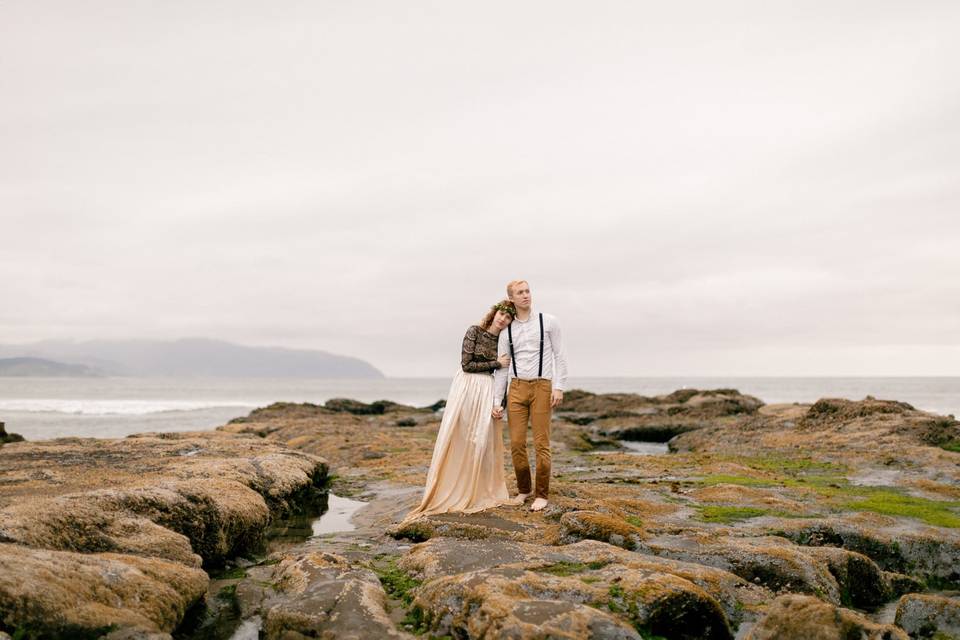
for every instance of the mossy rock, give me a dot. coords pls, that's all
(605, 527)
(796, 616)
(925, 615)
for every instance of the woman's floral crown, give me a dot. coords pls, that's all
(506, 308)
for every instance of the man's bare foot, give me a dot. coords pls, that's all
(520, 498)
(538, 504)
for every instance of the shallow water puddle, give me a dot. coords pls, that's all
(337, 516)
(328, 514)
(646, 448)
(639, 448)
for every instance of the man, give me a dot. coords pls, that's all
(537, 376)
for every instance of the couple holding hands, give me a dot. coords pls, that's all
(512, 346)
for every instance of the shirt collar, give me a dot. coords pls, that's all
(533, 314)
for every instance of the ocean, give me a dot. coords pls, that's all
(42, 408)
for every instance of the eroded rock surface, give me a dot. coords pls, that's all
(62, 593)
(767, 517)
(795, 616)
(930, 615)
(100, 534)
(663, 596)
(773, 521)
(323, 595)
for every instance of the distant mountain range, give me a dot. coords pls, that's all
(186, 357)
(13, 367)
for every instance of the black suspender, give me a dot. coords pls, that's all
(540, 368)
(514, 360)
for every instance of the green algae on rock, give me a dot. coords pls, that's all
(847, 504)
(746, 495)
(323, 595)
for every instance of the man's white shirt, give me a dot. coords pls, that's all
(526, 353)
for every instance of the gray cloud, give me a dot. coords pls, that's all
(732, 188)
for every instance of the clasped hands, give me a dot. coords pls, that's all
(556, 397)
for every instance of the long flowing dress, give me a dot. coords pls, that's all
(466, 471)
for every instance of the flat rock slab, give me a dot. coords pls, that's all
(50, 468)
(487, 520)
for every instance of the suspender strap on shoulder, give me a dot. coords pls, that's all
(540, 369)
(512, 359)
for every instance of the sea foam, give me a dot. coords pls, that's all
(101, 407)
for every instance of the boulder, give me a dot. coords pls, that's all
(66, 594)
(174, 496)
(925, 615)
(8, 437)
(769, 561)
(513, 602)
(862, 583)
(593, 525)
(321, 595)
(928, 552)
(378, 407)
(110, 535)
(806, 617)
(284, 411)
(646, 590)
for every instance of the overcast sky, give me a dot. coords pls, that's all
(714, 188)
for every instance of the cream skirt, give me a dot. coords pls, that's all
(466, 472)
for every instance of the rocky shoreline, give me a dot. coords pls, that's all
(114, 536)
(839, 519)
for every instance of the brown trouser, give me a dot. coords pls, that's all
(529, 401)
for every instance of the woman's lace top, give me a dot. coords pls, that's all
(479, 354)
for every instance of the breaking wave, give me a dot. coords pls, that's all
(116, 407)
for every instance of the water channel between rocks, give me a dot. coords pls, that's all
(220, 619)
(337, 517)
(327, 516)
(330, 515)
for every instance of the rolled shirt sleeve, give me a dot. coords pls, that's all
(559, 356)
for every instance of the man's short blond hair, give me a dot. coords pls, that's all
(512, 284)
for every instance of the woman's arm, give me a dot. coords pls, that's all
(467, 354)
(502, 374)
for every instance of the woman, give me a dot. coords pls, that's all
(466, 472)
